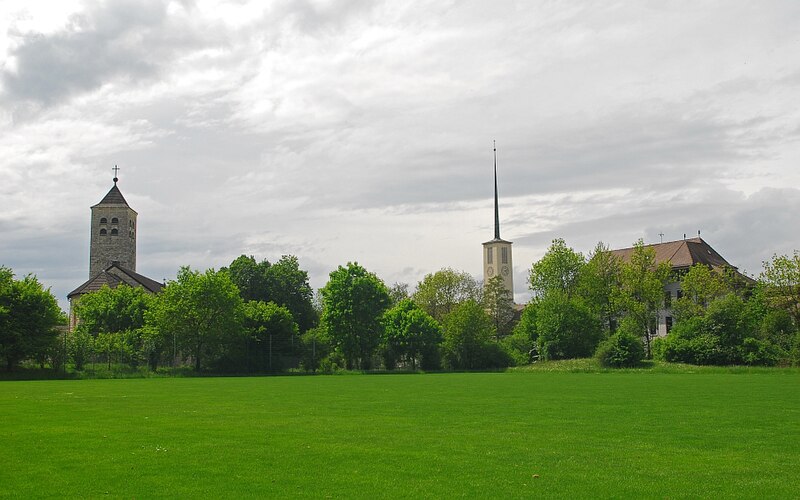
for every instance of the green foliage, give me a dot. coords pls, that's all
(566, 327)
(467, 345)
(558, 271)
(200, 312)
(439, 293)
(641, 293)
(283, 283)
(29, 315)
(499, 303)
(80, 345)
(700, 286)
(111, 310)
(354, 301)
(623, 349)
(398, 292)
(782, 279)
(316, 346)
(600, 285)
(522, 343)
(410, 335)
(271, 333)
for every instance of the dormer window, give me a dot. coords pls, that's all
(103, 220)
(114, 232)
(102, 232)
(114, 220)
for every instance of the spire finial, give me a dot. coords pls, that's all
(496, 209)
(115, 169)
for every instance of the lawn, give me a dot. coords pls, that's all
(516, 434)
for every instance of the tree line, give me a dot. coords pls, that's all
(262, 317)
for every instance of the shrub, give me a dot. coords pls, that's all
(761, 352)
(622, 349)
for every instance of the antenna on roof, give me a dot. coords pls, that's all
(684, 236)
(661, 234)
(698, 233)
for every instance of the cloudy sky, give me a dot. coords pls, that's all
(362, 131)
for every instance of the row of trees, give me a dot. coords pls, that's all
(259, 317)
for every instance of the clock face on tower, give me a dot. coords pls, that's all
(490, 271)
(505, 271)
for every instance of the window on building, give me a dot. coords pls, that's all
(668, 322)
(103, 220)
(489, 255)
(114, 220)
(114, 232)
(102, 232)
(667, 299)
(678, 294)
(504, 255)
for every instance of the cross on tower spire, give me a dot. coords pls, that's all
(115, 169)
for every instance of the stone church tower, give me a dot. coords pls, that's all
(113, 237)
(497, 252)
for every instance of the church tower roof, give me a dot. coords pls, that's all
(496, 205)
(114, 195)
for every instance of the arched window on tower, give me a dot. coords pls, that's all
(103, 220)
(102, 232)
(114, 232)
(114, 220)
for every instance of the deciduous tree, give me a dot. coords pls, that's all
(354, 301)
(29, 315)
(439, 293)
(410, 335)
(201, 312)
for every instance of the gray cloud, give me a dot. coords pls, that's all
(125, 41)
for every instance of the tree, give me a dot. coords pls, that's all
(200, 312)
(113, 310)
(467, 345)
(410, 334)
(271, 331)
(600, 283)
(622, 349)
(283, 283)
(558, 271)
(699, 286)
(439, 293)
(782, 277)
(642, 290)
(353, 304)
(29, 315)
(566, 327)
(398, 292)
(499, 303)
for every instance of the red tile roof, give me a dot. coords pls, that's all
(681, 254)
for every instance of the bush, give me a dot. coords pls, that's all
(566, 328)
(621, 350)
(761, 352)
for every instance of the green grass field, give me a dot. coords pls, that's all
(516, 434)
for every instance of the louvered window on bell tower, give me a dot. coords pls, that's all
(504, 255)
(489, 255)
